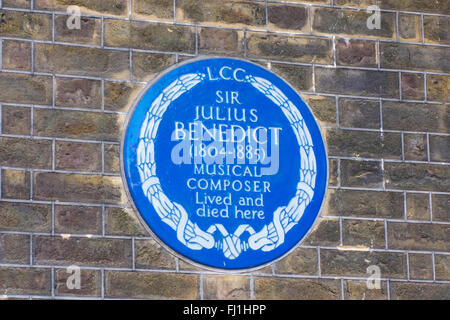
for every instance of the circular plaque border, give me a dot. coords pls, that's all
(155, 237)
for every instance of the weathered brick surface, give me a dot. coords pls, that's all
(410, 27)
(150, 285)
(78, 125)
(325, 233)
(31, 153)
(298, 76)
(358, 53)
(369, 204)
(120, 95)
(355, 263)
(416, 117)
(268, 270)
(226, 288)
(234, 12)
(437, 6)
(78, 93)
(16, 55)
(420, 266)
(442, 263)
(81, 61)
(440, 148)
(355, 3)
(408, 176)
(352, 22)
(25, 281)
(123, 222)
(15, 248)
(313, 1)
(26, 217)
(353, 143)
(293, 289)
(82, 251)
(381, 97)
(415, 147)
(438, 88)
(419, 291)
(441, 203)
(150, 255)
(221, 41)
(282, 17)
(111, 7)
(111, 158)
(26, 25)
(300, 261)
(323, 108)
(363, 233)
(357, 82)
(417, 206)
(147, 65)
(289, 48)
(78, 219)
(403, 235)
(78, 156)
(25, 89)
(359, 113)
(23, 4)
(358, 290)
(153, 9)
(412, 86)
(363, 174)
(72, 187)
(187, 266)
(89, 32)
(414, 57)
(333, 175)
(436, 29)
(16, 184)
(90, 284)
(149, 36)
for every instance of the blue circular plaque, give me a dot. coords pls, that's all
(225, 163)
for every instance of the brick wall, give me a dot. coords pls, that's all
(381, 97)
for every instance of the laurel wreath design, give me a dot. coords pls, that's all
(174, 215)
